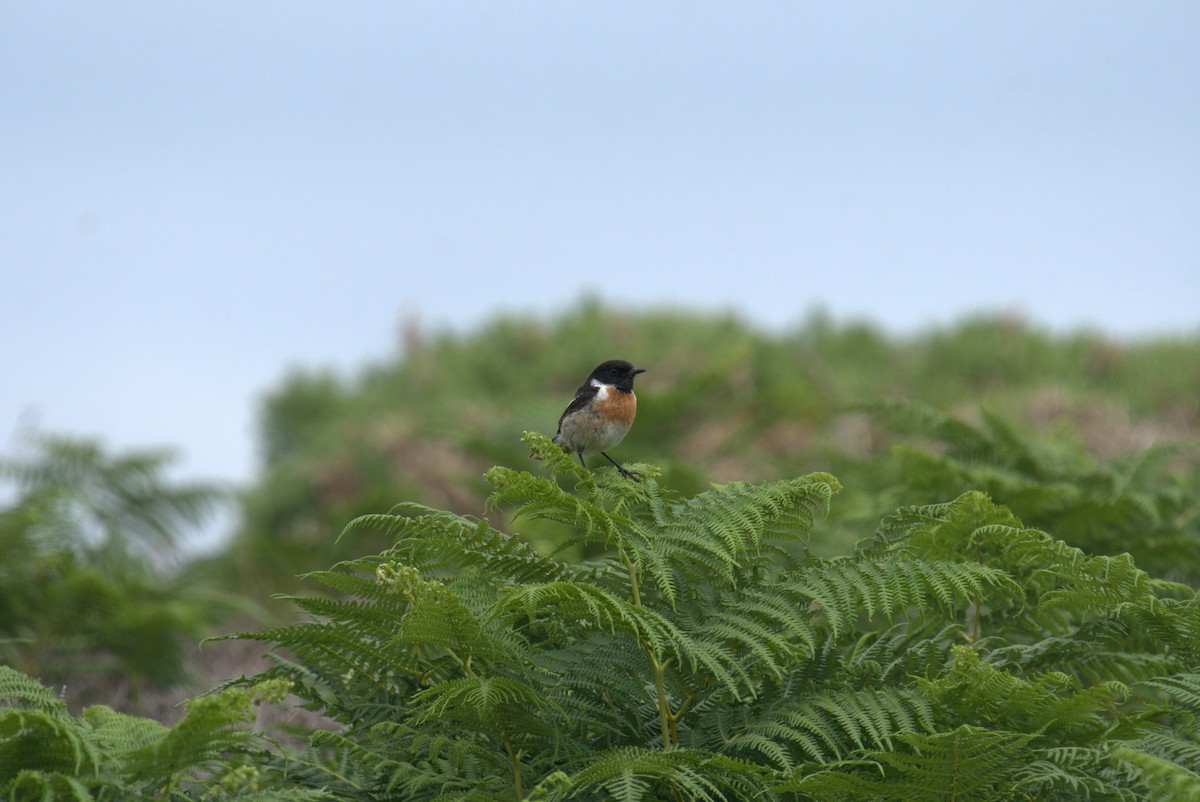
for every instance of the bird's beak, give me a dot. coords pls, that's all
(636, 371)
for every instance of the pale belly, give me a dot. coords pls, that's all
(587, 433)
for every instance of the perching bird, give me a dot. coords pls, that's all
(600, 414)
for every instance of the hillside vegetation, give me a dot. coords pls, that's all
(720, 401)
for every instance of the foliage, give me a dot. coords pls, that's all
(106, 505)
(48, 754)
(78, 581)
(707, 652)
(987, 611)
(721, 400)
(1146, 504)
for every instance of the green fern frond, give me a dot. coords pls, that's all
(286, 795)
(360, 578)
(1051, 705)
(829, 725)
(328, 766)
(32, 784)
(119, 733)
(966, 764)
(373, 619)
(633, 774)
(437, 617)
(435, 540)
(501, 706)
(1168, 624)
(898, 526)
(907, 650)
(1069, 773)
(343, 660)
(109, 755)
(20, 691)
(554, 457)
(653, 631)
(576, 601)
(1164, 780)
(969, 522)
(845, 587)
(537, 497)
(1097, 584)
(209, 728)
(916, 417)
(743, 516)
(1182, 749)
(600, 684)
(1137, 504)
(1093, 653)
(32, 740)
(1146, 467)
(351, 748)
(761, 624)
(1183, 690)
(944, 531)
(716, 533)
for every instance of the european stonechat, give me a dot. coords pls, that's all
(600, 414)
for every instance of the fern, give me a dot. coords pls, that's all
(46, 753)
(631, 774)
(1052, 706)
(20, 692)
(846, 588)
(964, 764)
(1143, 504)
(705, 652)
(1164, 780)
(796, 727)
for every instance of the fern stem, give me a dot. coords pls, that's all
(635, 591)
(465, 665)
(514, 755)
(665, 719)
(676, 716)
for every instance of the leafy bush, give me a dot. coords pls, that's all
(709, 654)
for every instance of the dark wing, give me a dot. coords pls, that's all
(582, 397)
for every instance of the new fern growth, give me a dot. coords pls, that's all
(707, 653)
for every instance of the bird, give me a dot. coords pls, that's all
(600, 414)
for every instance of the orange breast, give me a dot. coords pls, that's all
(617, 406)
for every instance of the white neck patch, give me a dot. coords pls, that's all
(601, 388)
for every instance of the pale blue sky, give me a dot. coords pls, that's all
(196, 195)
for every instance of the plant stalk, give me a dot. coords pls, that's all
(634, 589)
(665, 720)
(514, 755)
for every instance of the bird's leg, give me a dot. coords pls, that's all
(581, 462)
(626, 473)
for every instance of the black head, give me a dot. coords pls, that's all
(617, 372)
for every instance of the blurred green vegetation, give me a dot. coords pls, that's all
(722, 400)
(90, 595)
